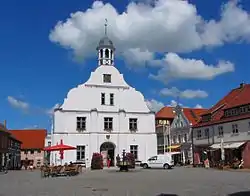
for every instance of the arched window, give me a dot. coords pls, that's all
(101, 51)
(111, 54)
(107, 53)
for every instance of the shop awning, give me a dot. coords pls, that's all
(228, 145)
(173, 147)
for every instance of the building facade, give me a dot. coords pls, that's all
(227, 125)
(33, 142)
(4, 137)
(14, 153)
(181, 132)
(104, 115)
(164, 119)
(174, 131)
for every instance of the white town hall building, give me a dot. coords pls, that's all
(104, 115)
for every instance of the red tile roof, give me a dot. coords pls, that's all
(30, 138)
(165, 113)
(192, 114)
(236, 97)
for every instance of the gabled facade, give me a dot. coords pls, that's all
(227, 122)
(104, 115)
(181, 131)
(163, 120)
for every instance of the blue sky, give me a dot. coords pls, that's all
(194, 50)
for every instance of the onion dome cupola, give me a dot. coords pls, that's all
(105, 50)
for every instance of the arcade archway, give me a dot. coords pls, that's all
(108, 148)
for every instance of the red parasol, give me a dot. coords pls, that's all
(59, 147)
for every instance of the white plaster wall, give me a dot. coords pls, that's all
(146, 144)
(243, 127)
(88, 95)
(81, 101)
(66, 122)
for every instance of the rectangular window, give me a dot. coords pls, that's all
(31, 151)
(207, 133)
(220, 131)
(235, 129)
(198, 134)
(81, 123)
(133, 124)
(174, 139)
(134, 151)
(103, 98)
(111, 98)
(107, 78)
(108, 123)
(49, 143)
(80, 153)
(179, 138)
(185, 137)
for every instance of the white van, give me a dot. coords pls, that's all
(164, 161)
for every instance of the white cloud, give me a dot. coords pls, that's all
(14, 102)
(28, 108)
(198, 106)
(176, 67)
(162, 26)
(188, 94)
(136, 56)
(234, 25)
(154, 105)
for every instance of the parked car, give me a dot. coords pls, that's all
(164, 161)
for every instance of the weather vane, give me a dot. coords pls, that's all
(106, 24)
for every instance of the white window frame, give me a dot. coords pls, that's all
(107, 78)
(134, 151)
(109, 122)
(81, 120)
(102, 98)
(220, 131)
(133, 124)
(235, 129)
(80, 149)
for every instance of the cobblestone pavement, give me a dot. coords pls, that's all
(109, 182)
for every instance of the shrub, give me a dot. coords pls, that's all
(97, 161)
(131, 159)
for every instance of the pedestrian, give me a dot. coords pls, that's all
(108, 161)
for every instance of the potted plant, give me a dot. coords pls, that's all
(131, 160)
(97, 161)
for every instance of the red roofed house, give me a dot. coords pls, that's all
(177, 123)
(226, 123)
(33, 142)
(163, 120)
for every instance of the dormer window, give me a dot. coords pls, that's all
(107, 78)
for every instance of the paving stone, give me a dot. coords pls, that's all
(140, 182)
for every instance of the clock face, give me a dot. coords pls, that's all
(106, 62)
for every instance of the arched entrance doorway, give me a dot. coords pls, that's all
(108, 148)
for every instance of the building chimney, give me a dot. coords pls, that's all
(242, 85)
(5, 123)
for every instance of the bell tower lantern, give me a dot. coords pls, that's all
(105, 49)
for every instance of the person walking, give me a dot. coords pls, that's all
(108, 161)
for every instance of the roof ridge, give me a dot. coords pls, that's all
(238, 94)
